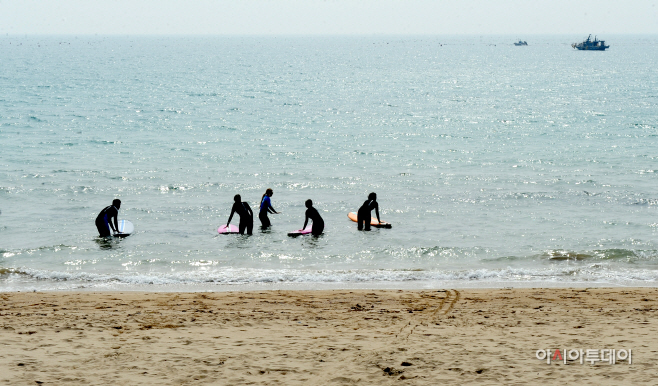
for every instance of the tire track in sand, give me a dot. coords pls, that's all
(446, 305)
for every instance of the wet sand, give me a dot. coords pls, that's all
(341, 337)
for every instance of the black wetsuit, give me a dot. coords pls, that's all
(264, 220)
(363, 215)
(318, 222)
(246, 217)
(103, 220)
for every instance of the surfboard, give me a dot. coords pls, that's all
(225, 230)
(373, 221)
(300, 232)
(126, 228)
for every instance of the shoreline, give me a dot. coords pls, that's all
(76, 286)
(367, 336)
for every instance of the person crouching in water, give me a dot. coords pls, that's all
(363, 215)
(246, 215)
(104, 219)
(266, 207)
(313, 215)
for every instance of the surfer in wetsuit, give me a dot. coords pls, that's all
(265, 207)
(363, 215)
(314, 215)
(246, 215)
(104, 222)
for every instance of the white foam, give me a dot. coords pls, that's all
(26, 278)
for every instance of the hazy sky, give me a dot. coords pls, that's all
(329, 17)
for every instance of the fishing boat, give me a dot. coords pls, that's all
(591, 45)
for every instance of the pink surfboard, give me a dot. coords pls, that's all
(225, 230)
(300, 232)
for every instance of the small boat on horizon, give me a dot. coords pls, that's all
(591, 45)
(521, 43)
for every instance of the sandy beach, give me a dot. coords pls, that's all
(340, 337)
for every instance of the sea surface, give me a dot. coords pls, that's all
(497, 165)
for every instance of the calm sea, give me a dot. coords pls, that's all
(497, 165)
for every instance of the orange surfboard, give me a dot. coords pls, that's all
(373, 221)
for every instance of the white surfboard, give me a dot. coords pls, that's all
(126, 228)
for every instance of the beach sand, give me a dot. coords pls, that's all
(341, 337)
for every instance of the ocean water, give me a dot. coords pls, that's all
(496, 165)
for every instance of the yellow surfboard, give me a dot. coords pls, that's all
(373, 221)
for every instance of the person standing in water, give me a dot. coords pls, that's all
(266, 207)
(313, 215)
(106, 227)
(363, 215)
(246, 215)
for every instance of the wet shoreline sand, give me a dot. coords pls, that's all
(341, 337)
